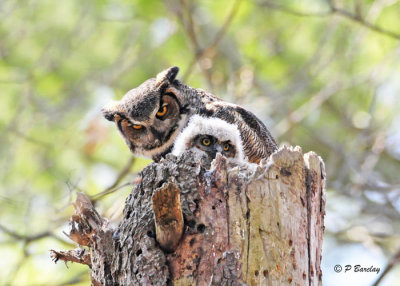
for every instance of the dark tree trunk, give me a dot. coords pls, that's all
(229, 225)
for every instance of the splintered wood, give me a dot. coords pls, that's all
(228, 224)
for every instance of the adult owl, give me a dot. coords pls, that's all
(151, 116)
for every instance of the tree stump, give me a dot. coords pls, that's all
(186, 223)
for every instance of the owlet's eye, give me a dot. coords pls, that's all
(226, 147)
(206, 142)
(137, 127)
(162, 111)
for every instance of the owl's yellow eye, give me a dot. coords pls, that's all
(137, 127)
(206, 141)
(226, 147)
(163, 110)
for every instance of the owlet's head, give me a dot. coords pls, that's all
(210, 136)
(150, 116)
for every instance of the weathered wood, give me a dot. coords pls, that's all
(168, 216)
(244, 224)
(75, 255)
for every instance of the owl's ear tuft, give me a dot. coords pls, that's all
(167, 75)
(110, 110)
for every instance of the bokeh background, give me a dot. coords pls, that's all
(321, 74)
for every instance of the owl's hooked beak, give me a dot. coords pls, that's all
(214, 151)
(218, 149)
(159, 136)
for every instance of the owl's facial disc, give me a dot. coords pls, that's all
(150, 116)
(211, 146)
(156, 134)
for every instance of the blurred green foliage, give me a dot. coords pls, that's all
(325, 78)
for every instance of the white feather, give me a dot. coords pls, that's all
(216, 127)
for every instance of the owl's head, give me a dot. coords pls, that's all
(150, 116)
(210, 136)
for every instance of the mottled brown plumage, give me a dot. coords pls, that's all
(151, 116)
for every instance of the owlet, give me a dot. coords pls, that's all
(210, 136)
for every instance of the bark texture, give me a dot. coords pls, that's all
(242, 224)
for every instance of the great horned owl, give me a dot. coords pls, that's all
(150, 117)
(210, 136)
